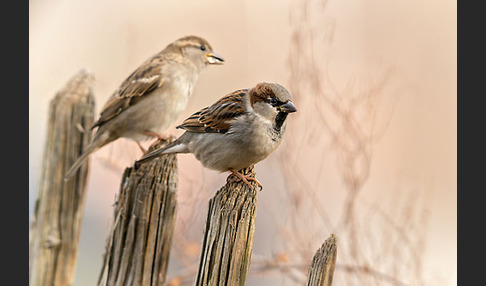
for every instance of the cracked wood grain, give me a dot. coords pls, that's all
(58, 210)
(228, 236)
(139, 243)
(323, 263)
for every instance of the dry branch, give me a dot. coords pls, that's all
(323, 263)
(228, 236)
(138, 247)
(56, 222)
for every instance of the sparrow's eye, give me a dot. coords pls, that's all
(203, 47)
(273, 101)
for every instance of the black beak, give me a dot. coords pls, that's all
(288, 107)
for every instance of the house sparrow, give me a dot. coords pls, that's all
(237, 131)
(153, 96)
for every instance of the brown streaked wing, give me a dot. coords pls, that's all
(141, 82)
(217, 117)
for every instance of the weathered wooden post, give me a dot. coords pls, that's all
(228, 236)
(138, 247)
(59, 207)
(321, 270)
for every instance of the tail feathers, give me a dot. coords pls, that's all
(151, 155)
(174, 147)
(92, 147)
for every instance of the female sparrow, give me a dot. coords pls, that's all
(237, 131)
(153, 96)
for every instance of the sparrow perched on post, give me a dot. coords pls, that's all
(153, 96)
(237, 131)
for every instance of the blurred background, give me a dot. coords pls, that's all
(370, 156)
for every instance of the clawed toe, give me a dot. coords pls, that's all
(236, 176)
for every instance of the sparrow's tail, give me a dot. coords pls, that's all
(97, 143)
(174, 147)
(151, 155)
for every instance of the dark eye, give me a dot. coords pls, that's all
(203, 47)
(273, 101)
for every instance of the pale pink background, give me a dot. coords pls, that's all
(111, 38)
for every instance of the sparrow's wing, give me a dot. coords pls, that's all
(217, 117)
(140, 83)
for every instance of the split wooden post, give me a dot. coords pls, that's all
(59, 207)
(228, 236)
(323, 263)
(138, 247)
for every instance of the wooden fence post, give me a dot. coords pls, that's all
(228, 236)
(138, 247)
(323, 263)
(58, 211)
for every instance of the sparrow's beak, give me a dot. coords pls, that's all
(288, 107)
(214, 58)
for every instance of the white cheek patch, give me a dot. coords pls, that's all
(265, 110)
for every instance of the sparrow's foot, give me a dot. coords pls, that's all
(236, 176)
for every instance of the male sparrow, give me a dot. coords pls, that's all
(237, 131)
(153, 96)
